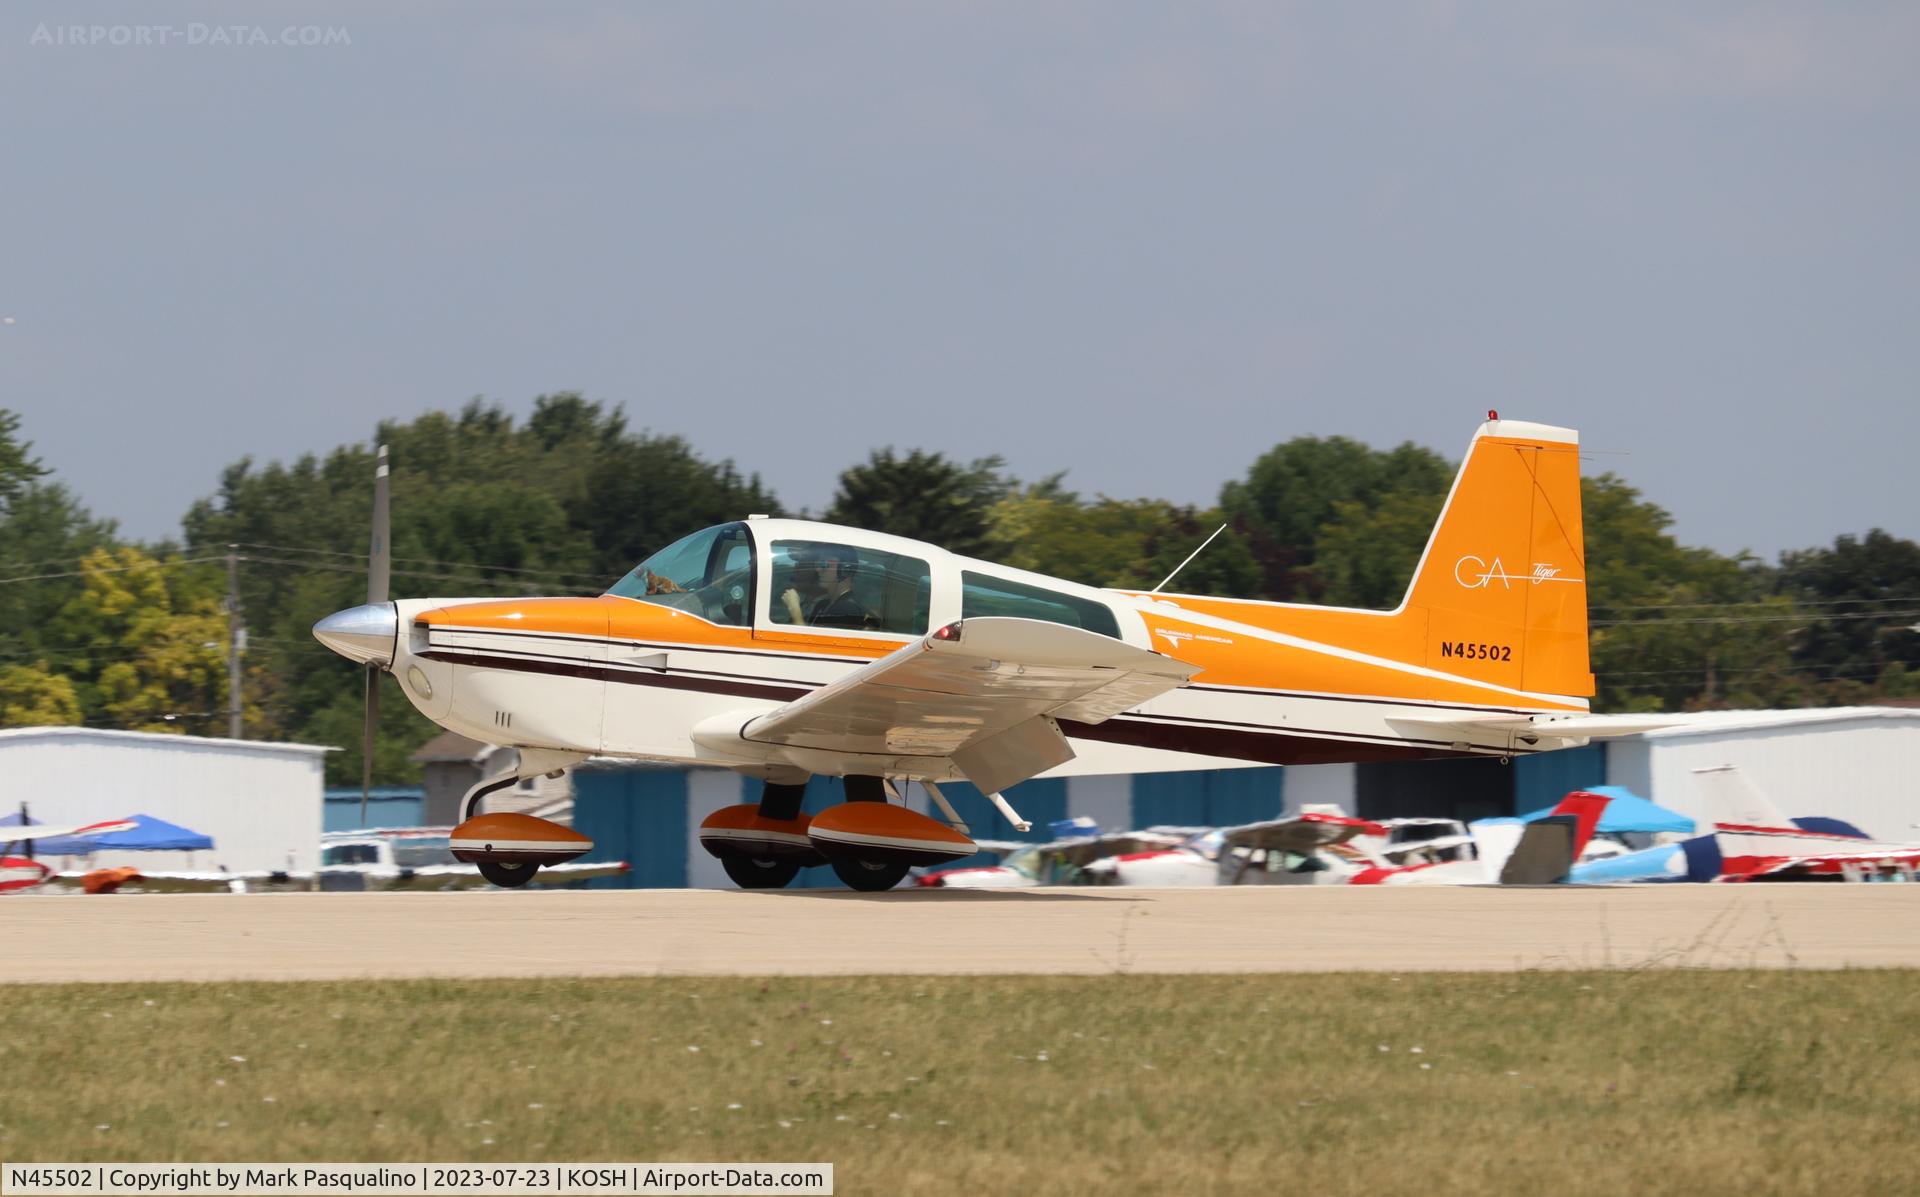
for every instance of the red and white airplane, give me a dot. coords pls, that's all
(1507, 851)
(787, 648)
(1757, 842)
(19, 873)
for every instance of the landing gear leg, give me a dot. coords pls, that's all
(530, 762)
(781, 801)
(866, 789)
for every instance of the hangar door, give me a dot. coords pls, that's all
(1476, 788)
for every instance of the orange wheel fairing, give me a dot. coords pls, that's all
(742, 831)
(516, 839)
(882, 833)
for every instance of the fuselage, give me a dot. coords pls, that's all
(702, 637)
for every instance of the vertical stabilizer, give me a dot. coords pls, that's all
(1732, 800)
(1502, 586)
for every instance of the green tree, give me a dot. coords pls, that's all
(924, 496)
(1126, 544)
(34, 696)
(18, 468)
(1365, 555)
(562, 503)
(1862, 597)
(148, 642)
(1675, 627)
(1295, 490)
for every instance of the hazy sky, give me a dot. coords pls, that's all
(1138, 242)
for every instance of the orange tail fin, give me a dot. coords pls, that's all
(1502, 586)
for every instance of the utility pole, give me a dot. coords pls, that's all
(236, 642)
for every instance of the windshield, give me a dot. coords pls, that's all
(1207, 844)
(709, 574)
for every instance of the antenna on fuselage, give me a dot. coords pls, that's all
(1190, 557)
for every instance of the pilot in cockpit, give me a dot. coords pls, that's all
(822, 591)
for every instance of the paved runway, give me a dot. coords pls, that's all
(704, 932)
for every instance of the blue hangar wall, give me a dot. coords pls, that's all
(650, 815)
(387, 806)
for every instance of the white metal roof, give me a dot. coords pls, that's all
(157, 739)
(1700, 723)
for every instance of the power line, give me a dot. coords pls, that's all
(408, 573)
(1802, 617)
(158, 563)
(463, 565)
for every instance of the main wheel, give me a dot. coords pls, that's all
(869, 877)
(748, 873)
(508, 876)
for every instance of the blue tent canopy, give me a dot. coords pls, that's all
(1628, 812)
(151, 835)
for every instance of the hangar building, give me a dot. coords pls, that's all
(260, 801)
(1852, 763)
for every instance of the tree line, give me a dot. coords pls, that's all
(104, 631)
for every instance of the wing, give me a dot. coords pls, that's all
(1301, 833)
(1903, 860)
(980, 693)
(1083, 852)
(35, 831)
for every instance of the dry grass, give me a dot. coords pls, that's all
(1607, 1082)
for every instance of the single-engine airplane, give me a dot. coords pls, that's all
(786, 648)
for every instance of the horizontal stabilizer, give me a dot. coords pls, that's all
(1534, 729)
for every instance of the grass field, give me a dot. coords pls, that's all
(1606, 1082)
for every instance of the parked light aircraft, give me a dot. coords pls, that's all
(1302, 849)
(1063, 861)
(22, 872)
(1507, 851)
(1751, 840)
(399, 858)
(787, 648)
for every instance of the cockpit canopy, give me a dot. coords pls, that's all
(818, 582)
(709, 574)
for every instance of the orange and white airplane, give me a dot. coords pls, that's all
(786, 648)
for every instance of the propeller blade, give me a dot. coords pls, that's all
(366, 741)
(379, 561)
